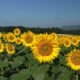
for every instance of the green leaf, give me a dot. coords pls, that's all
(22, 75)
(64, 49)
(21, 51)
(3, 78)
(4, 63)
(63, 77)
(19, 47)
(47, 77)
(31, 59)
(66, 74)
(39, 72)
(17, 61)
(62, 59)
(56, 69)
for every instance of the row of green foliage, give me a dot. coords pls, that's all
(22, 66)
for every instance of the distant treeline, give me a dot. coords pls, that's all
(39, 30)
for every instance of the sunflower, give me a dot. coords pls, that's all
(61, 38)
(67, 42)
(0, 34)
(54, 36)
(73, 59)
(44, 50)
(10, 48)
(4, 35)
(75, 41)
(17, 31)
(27, 38)
(18, 40)
(0, 40)
(1, 47)
(10, 37)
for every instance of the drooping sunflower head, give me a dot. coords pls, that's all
(44, 50)
(18, 40)
(10, 49)
(67, 42)
(10, 37)
(27, 38)
(73, 59)
(1, 47)
(17, 31)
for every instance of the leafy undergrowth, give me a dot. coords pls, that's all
(22, 66)
(30, 56)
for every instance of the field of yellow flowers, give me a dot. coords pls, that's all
(31, 56)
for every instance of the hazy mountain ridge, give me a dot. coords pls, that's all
(72, 27)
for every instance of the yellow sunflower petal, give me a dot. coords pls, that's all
(1, 47)
(0, 34)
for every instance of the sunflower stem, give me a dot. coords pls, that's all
(77, 76)
(2, 72)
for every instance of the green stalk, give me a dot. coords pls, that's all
(2, 72)
(77, 76)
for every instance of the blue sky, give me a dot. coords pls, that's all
(43, 13)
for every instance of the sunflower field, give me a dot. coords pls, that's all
(43, 56)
